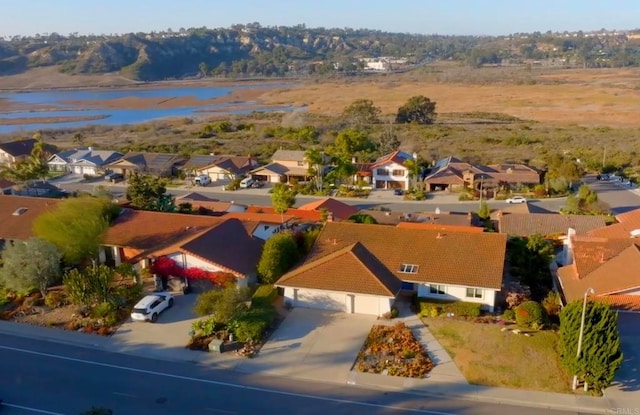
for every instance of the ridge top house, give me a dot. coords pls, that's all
(285, 165)
(347, 259)
(83, 161)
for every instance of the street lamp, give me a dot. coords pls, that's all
(579, 351)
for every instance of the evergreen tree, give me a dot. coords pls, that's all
(600, 356)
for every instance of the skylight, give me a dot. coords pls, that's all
(20, 211)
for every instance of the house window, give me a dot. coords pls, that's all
(301, 164)
(408, 269)
(474, 292)
(398, 173)
(437, 289)
(382, 172)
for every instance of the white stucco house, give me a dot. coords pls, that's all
(83, 161)
(359, 268)
(389, 172)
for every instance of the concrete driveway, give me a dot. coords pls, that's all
(170, 334)
(627, 381)
(312, 344)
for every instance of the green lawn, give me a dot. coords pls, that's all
(488, 356)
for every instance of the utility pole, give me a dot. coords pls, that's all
(604, 157)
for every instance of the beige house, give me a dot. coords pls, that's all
(228, 168)
(157, 164)
(285, 165)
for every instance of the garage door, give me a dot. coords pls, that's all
(320, 300)
(365, 304)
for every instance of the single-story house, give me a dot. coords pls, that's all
(207, 242)
(17, 214)
(627, 226)
(157, 164)
(332, 208)
(608, 266)
(228, 168)
(389, 172)
(285, 165)
(439, 217)
(83, 161)
(301, 215)
(444, 265)
(14, 151)
(200, 201)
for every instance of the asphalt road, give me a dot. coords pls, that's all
(618, 196)
(52, 378)
(446, 203)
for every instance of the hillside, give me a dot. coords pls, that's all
(252, 50)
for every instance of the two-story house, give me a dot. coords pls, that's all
(83, 161)
(389, 172)
(285, 165)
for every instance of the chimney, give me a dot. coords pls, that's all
(353, 160)
(90, 148)
(329, 216)
(335, 241)
(439, 236)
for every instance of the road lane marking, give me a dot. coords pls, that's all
(26, 408)
(226, 384)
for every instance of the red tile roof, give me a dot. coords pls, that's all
(15, 226)
(621, 302)
(301, 214)
(527, 224)
(439, 227)
(398, 157)
(458, 258)
(627, 222)
(340, 210)
(352, 269)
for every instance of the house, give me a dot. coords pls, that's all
(547, 224)
(199, 201)
(207, 242)
(298, 214)
(15, 151)
(383, 217)
(6, 186)
(444, 265)
(285, 165)
(265, 225)
(228, 168)
(607, 265)
(389, 172)
(334, 209)
(198, 161)
(84, 161)
(627, 226)
(157, 164)
(453, 174)
(18, 213)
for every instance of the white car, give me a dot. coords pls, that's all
(151, 306)
(202, 180)
(516, 199)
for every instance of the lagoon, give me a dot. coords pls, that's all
(57, 105)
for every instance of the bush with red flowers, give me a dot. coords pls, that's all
(166, 267)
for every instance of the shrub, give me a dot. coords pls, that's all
(128, 294)
(251, 324)
(55, 299)
(264, 295)
(551, 304)
(509, 315)
(205, 327)
(102, 310)
(531, 314)
(434, 308)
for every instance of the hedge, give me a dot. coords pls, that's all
(265, 295)
(435, 308)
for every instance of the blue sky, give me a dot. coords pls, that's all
(451, 17)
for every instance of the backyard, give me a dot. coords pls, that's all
(488, 356)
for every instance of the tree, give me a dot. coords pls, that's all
(149, 193)
(600, 355)
(351, 141)
(388, 141)
(282, 198)
(484, 212)
(29, 264)
(361, 112)
(78, 139)
(279, 254)
(562, 172)
(31, 168)
(224, 304)
(76, 226)
(362, 218)
(315, 158)
(529, 259)
(90, 286)
(413, 165)
(584, 202)
(418, 109)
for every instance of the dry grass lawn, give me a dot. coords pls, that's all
(487, 356)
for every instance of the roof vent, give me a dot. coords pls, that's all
(439, 236)
(20, 211)
(635, 233)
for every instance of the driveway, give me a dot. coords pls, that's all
(312, 344)
(165, 338)
(627, 381)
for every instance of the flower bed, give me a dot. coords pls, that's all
(393, 350)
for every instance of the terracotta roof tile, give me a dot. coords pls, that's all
(439, 227)
(398, 157)
(351, 269)
(518, 224)
(442, 218)
(301, 214)
(19, 227)
(258, 217)
(465, 259)
(627, 222)
(340, 210)
(621, 302)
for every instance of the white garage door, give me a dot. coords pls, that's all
(365, 304)
(320, 300)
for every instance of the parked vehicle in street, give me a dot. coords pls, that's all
(516, 200)
(398, 192)
(150, 307)
(246, 183)
(114, 177)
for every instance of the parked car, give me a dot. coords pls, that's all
(246, 183)
(115, 177)
(516, 199)
(257, 184)
(398, 192)
(150, 307)
(202, 180)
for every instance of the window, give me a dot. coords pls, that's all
(382, 172)
(437, 289)
(301, 163)
(408, 269)
(474, 292)
(398, 173)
